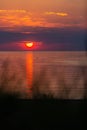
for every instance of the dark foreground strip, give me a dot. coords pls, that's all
(42, 114)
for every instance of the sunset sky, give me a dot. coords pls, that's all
(49, 24)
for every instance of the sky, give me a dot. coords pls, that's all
(49, 24)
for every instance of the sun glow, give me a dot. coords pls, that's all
(29, 44)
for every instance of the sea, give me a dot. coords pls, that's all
(36, 74)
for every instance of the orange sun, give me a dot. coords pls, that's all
(29, 44)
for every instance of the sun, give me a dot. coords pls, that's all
(29, 44)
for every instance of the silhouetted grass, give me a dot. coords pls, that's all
(64, 90)
(43, 96)
(38, 114)
(4, 95)
(10, 81)
(41, 86)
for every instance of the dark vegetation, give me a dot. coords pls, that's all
(10, 82)
(43, 111)
(64, 90)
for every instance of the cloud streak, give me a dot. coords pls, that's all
(12, 11)
(56, 13)
(14, 19)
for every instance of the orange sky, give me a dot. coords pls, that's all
(47, 13)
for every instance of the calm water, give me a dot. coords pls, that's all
(60, 74)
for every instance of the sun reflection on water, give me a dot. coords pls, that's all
(29, 72)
